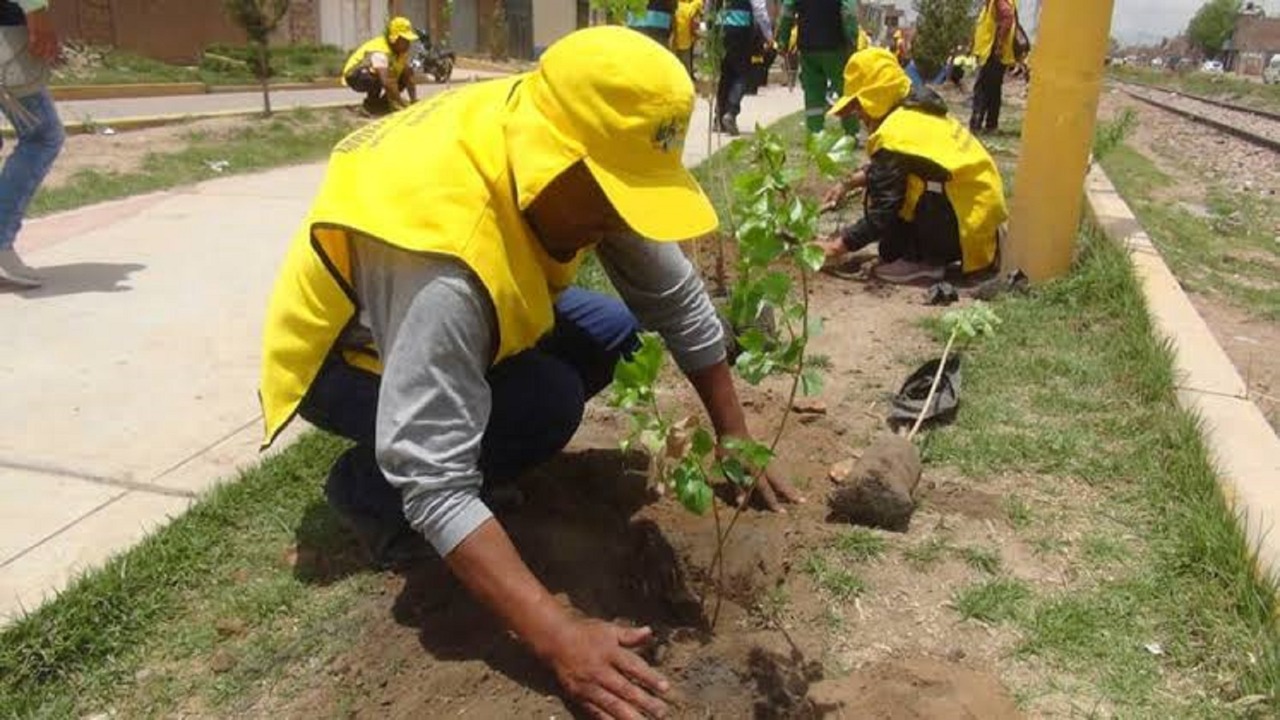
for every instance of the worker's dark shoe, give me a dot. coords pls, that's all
(729, 125)
(379, 526)
(901, 272)
(14, 272)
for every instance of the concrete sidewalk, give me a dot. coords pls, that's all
(128, 382)
(103, 111)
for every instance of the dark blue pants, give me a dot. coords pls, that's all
(537, 401)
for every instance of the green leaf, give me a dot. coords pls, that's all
(811, 381)
(702, 443)
(754, 366)
(774, 287)
(812, 257)
(756, 455)
(736, 472)
(691, 487)
(642, 369)
(844, 151)
(765, 249)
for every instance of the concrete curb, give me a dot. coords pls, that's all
(139, 90)
(151, 121)
(125, 91)
(1245, 450)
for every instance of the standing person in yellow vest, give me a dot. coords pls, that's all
(429, 316)
(685, 35)
(380, 69)
(993, 45)
(933, 195)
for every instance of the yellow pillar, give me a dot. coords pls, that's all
(1057, 135)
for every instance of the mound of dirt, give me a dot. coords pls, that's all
(914, 689)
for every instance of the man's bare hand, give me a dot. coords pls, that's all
(42, 36)
(594, 662)
(774, 490)
(834, 197)
(832, 246)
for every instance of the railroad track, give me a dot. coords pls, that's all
(1258, 127)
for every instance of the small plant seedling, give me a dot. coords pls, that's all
(775, 238)
(966, 325)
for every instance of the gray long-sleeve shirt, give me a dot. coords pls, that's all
(434, 327)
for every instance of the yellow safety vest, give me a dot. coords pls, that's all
(975, 188)
(377, 45)
(435, 179)
(864, 40)
(984, 38)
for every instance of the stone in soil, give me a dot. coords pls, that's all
(809, 406)
(881, 489)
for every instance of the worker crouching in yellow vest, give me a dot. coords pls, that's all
(380, 69)
(932, 194)
(424, 311)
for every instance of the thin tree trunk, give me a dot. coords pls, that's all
(265, 73)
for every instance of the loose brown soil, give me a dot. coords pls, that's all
(591, 529)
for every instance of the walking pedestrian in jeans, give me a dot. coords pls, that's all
(28, 43)
(739, 21)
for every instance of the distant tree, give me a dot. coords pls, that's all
(1113, 47)
(1213, 25)
(258, 19)
(941, 25)
(616, 11)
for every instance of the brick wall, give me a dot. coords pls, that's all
(170, 30)
(304, 21)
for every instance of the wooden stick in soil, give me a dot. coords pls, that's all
(933, 389)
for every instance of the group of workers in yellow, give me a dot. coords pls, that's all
(431, 317)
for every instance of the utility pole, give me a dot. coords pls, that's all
(1057, 136)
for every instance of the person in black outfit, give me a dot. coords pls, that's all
(740, 21)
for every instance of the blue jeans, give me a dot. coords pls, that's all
(537, 398)
(38, 146)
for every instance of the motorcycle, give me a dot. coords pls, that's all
(434, 60)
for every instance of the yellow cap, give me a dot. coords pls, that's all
(400, 27)
(875, 79)
(619, 102)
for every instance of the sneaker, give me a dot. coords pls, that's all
(729, 125)
(15, 272)
(900, 272)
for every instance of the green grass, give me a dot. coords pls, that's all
(1222, 87)
(1232, 252)
(861, 545)
(835, 580)
(159, 605)
(285, 139)
(1076, 385)
(992, 601)
(296, 63)
(981, 559)
(1018, 512)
